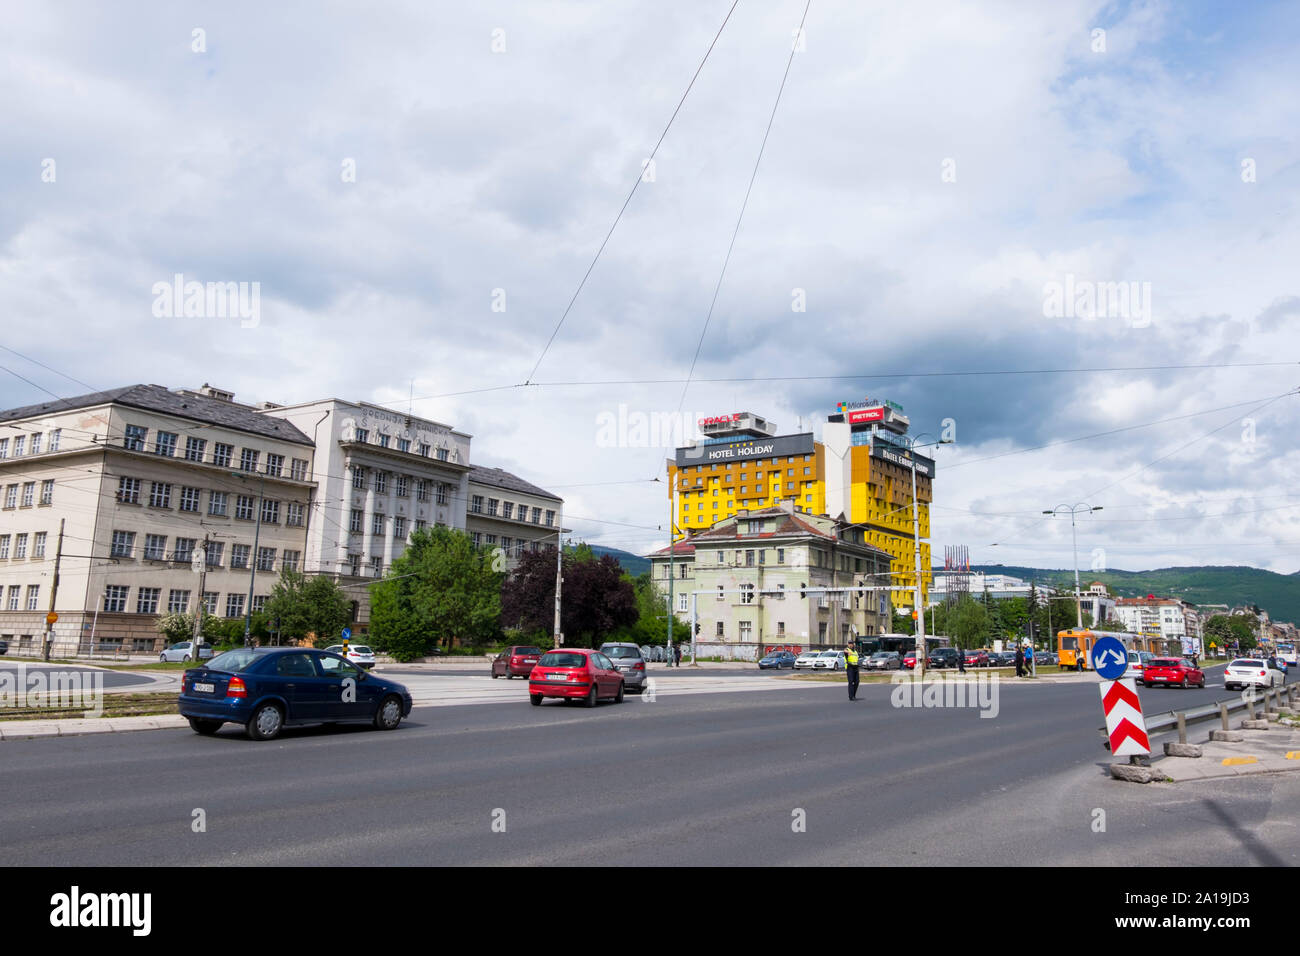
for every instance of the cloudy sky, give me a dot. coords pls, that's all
(418, 189)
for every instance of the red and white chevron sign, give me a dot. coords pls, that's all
(1125, 726)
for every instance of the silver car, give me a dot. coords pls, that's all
(629, 661)
(184, 651)
(360, 654)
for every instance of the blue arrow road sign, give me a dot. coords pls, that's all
(1109, 658)
(347, 632)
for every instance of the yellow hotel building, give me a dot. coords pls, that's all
(859, 473)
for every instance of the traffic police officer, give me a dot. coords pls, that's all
(851, 668)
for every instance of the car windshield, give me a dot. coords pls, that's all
(1164, 662)
(361, 649)
(528, 650)
(830, 653)
(233, 661)
(563, 659)
(621, 651)
(1246, 663)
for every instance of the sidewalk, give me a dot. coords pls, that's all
(81, 726)
(1275, 750)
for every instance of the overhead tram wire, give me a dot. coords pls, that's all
(576, 292)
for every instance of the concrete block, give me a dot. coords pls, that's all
(1182, 750)
(1228, 736)
(1254, 724)
(1135, 774)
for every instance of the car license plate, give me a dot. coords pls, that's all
(205, 688)
(530, 660)
(558, 676)
(1158, 677)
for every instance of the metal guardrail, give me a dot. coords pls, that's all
(1272, 699)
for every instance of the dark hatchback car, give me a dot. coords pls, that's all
(516, 662)
(944, 657)
(777, 660)
(269, 688)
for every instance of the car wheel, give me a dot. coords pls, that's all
(618, 698)
(535, 700)
(266, 722)
(162, 658)
(205, 727)
(590, 700)
(187, 658)
(389, 714)
(495, 675)
(1183, 683)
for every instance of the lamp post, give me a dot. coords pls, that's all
(252, 558)
(918, 604)
(1072, 510)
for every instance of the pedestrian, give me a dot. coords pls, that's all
(1020, 661)
(1029, 659)
(851, 670)
(961, 660)
(677, 655)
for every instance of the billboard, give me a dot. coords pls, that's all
(743, 449)
(901, 456)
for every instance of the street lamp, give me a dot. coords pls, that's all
(916, 539)
(252, 559)
(1081, 508)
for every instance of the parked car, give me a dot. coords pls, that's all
(1046, 658)
(269, 688)
(575, 674)
(627, 661)
(1170, 671)
(777, 660)
(909, 660)
(1002, 659)
(1253, 672)
(829, 661)
(1137, 663)
(515, 661)
(184, 651)
(805, 660)
(977, 657)
(884, 661)
(944, 657)
(360, 654)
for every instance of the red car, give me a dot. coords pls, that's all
(977, 658)
(1172, 671)
(909, 660)
(515, 662)
(575, 673)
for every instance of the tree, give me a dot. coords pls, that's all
(968, 623)
(304, 607)
(1223, 630)
(180, 627)
(442, 589)
(597, 601)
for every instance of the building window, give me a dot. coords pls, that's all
(508, 510)
(189, 499)
(29, 493)
(221, 454)
(749, 559)
(358, 478)
(399, 486)
(177, 601)
(550, 519)
(476, 504)
(38, 545)
(165, 444)
(146, 600)
(721, 596)
(270, 511)
(4, 448)
(248, 459)
(115, 598)
(274, 464)
(746, 631)
(293, 515)
(259, 603)
(14, 591)
(720, 631)
(377, 524)
(234, 605)
(747, 594)
(404, 444)
(424, 450)
(194, 449)
(537, 516)
(266, 559)
(298, 469)
(20, 545)
(420, 524)
(244, 507)
(217, 503)
(399, 529)
(442, 494)
(160, 495)
(492, 504)
(354, 565)
(291, 560)
(363, 435)
(383, 441)
(19, 444)
(421, 490)
(358, 516)
(239, 555)
(475, 538)
(133, 441)
(155, 547)
(215, 551)
(381, 482)
(184, 550)
(4, 547)
(36, 443)
(442, 454)
(491, 540)
(123, 543)
(210, 602)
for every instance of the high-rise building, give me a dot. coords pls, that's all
(860, 472)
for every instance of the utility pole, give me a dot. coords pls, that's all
(51, 617)
(202, 562)
(672, 547)
(557, 636)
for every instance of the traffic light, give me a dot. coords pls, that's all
(802, 594)
(697, 627)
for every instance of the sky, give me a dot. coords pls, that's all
(418, 190)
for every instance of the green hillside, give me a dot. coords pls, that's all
(1279, 594)
(633, 564)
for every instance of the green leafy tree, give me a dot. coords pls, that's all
(968, 623)
(180, 627)
(303, 607)
(598, 600)
(441, 590)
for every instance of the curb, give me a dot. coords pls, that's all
(86, 726)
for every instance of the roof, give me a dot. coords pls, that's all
(500, 478)
(788, 525)
(681, 547)
(155, 398)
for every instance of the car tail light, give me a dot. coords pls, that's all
(236, 688)
(640, 666)
(1263, 673)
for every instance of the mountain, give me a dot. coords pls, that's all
(633, 564)
(1279, 594)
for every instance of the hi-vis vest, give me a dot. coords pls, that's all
(852, 658)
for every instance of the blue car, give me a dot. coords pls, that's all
(269, 688)
(777, 660)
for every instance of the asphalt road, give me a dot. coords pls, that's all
(694, 779)
(112, 679)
